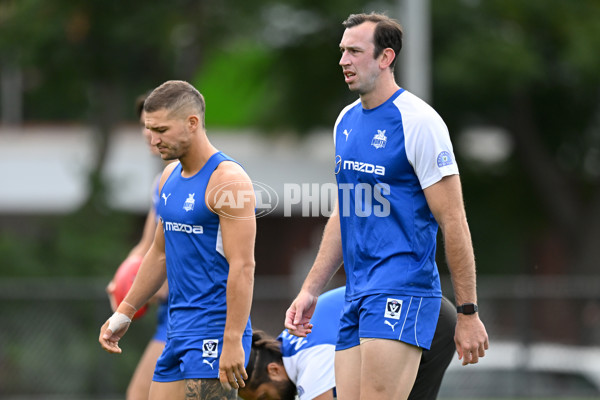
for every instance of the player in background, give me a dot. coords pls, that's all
(139, 385)
(280, 369)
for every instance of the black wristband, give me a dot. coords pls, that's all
(467, 308)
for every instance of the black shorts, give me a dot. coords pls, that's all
(435, 361)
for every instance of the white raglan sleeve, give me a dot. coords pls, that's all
(428, 148)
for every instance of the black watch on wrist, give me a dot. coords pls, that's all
(467, 308)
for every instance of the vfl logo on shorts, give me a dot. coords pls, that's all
(393, 307)
(210, 348)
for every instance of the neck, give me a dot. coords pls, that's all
(197, 155)
(382, 91)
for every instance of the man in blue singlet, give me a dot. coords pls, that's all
(289, 366)
(397, 180)
(204, 246)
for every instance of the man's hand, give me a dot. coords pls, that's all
(297, 317)
(112, 331)
(231, 366)
(471, 338)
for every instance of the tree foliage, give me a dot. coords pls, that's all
(529, 67)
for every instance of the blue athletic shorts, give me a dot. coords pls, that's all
(162, 319)
(409, 319)
(193, 357)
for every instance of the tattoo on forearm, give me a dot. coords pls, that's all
(207, 389)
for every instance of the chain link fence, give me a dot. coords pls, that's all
(49, 327)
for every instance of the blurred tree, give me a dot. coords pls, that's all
(98, 55)
(86, 62)
(280, 71)
(531, 68)
(527, 67)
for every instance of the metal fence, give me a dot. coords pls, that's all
(49, 328)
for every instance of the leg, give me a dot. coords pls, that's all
(388, 369)
(207, 389)
(347, 371)
(167, 390)
(191, 389)
(435, 361)
(139, 386)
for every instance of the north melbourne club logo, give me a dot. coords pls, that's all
(189, 202)
(379, 140)
(393, 307)
(210, 348)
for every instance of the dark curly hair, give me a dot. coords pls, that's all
(265, 350)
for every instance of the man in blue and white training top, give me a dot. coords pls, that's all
(280, 369)
(204, 245)
(397, 180)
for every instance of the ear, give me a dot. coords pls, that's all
(193, 122)
(276, 371)
(387, 56)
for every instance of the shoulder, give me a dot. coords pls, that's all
(415, 110)
(170, 167)
(342, 114)
(347, 109)
(230, 171)
(230, 192)
(166, 173)
(356, 103)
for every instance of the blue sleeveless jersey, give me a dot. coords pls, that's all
(197, 270)
(156, 197)
(385, 157)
